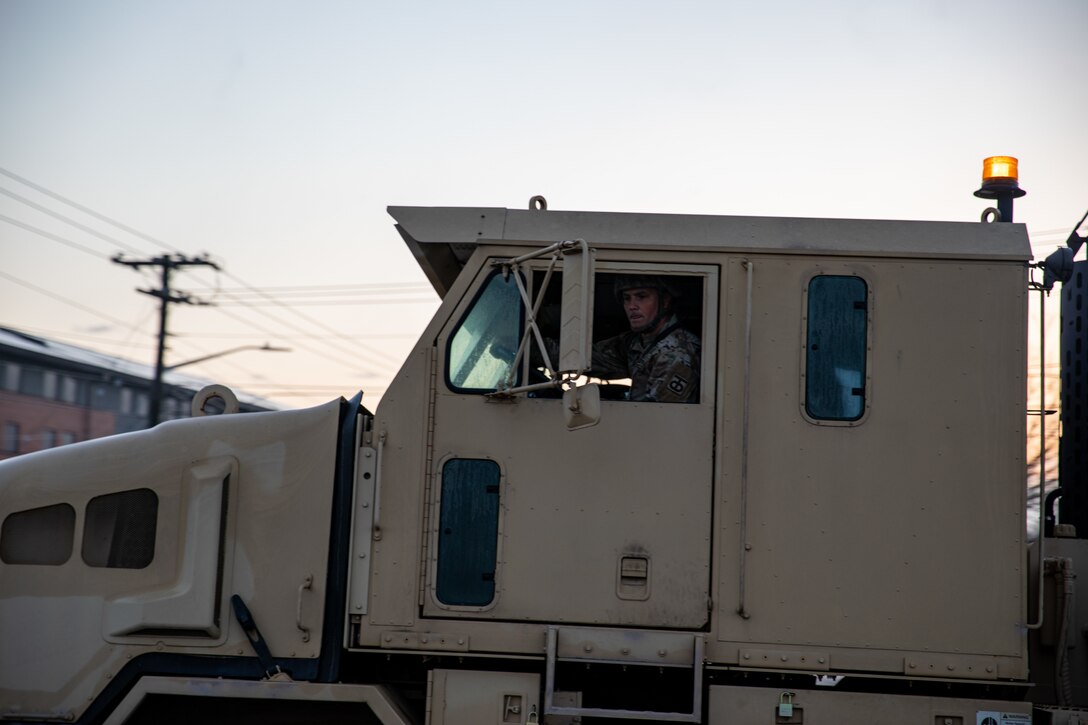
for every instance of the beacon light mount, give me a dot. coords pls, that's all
(1000, 181)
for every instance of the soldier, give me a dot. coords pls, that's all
(660, 357)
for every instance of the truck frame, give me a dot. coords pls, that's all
(833, 532)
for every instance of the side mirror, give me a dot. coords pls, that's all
(582, 406)
(576, 313)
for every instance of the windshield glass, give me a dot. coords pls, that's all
(485, 343)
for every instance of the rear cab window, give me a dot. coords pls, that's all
(836, 365)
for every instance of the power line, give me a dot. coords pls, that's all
(308, 394)
(306, 336)
(1049, 232)
(331, 294)
(350, 361)
(376, 286)
(72, 222)
(54, 237)
(296, 386)
(216, 335)
(63, 299)
(325, 303)
(317, 323)
(88, 211)
(354, 353)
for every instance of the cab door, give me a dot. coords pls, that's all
(530, 521)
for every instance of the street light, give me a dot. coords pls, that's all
(265, 347)
(156, 396)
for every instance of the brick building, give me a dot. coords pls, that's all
(52, 393)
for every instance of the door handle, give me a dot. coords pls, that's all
(307, 583)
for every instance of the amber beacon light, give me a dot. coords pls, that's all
(1000, 181)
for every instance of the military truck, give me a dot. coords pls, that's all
(832, 530)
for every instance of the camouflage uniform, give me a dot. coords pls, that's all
(662, 367)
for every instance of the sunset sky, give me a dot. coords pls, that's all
(273, 134)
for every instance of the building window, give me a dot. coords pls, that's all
(38, 536)
(32, 382)
(68, 389)
(49, 438)
(11, 437)
(67, 437)
(11, 377)
(119, 532)
(49, 385)
(105, 397)
(126, 401)
(835, 347)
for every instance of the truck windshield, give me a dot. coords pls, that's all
(485, 343)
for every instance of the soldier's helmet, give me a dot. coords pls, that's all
(644, 281)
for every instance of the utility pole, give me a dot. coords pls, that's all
(166, 263)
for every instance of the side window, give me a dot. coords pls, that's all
(649, 350)
(647, 336)
(468, 532)
(482, 348)
(835, 347)
(38, 536)
(119, 532)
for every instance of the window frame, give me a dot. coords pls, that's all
(804, 342)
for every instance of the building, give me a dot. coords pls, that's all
(53, 393)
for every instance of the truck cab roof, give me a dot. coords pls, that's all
(443, 238)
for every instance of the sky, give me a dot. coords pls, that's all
(271, 135)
